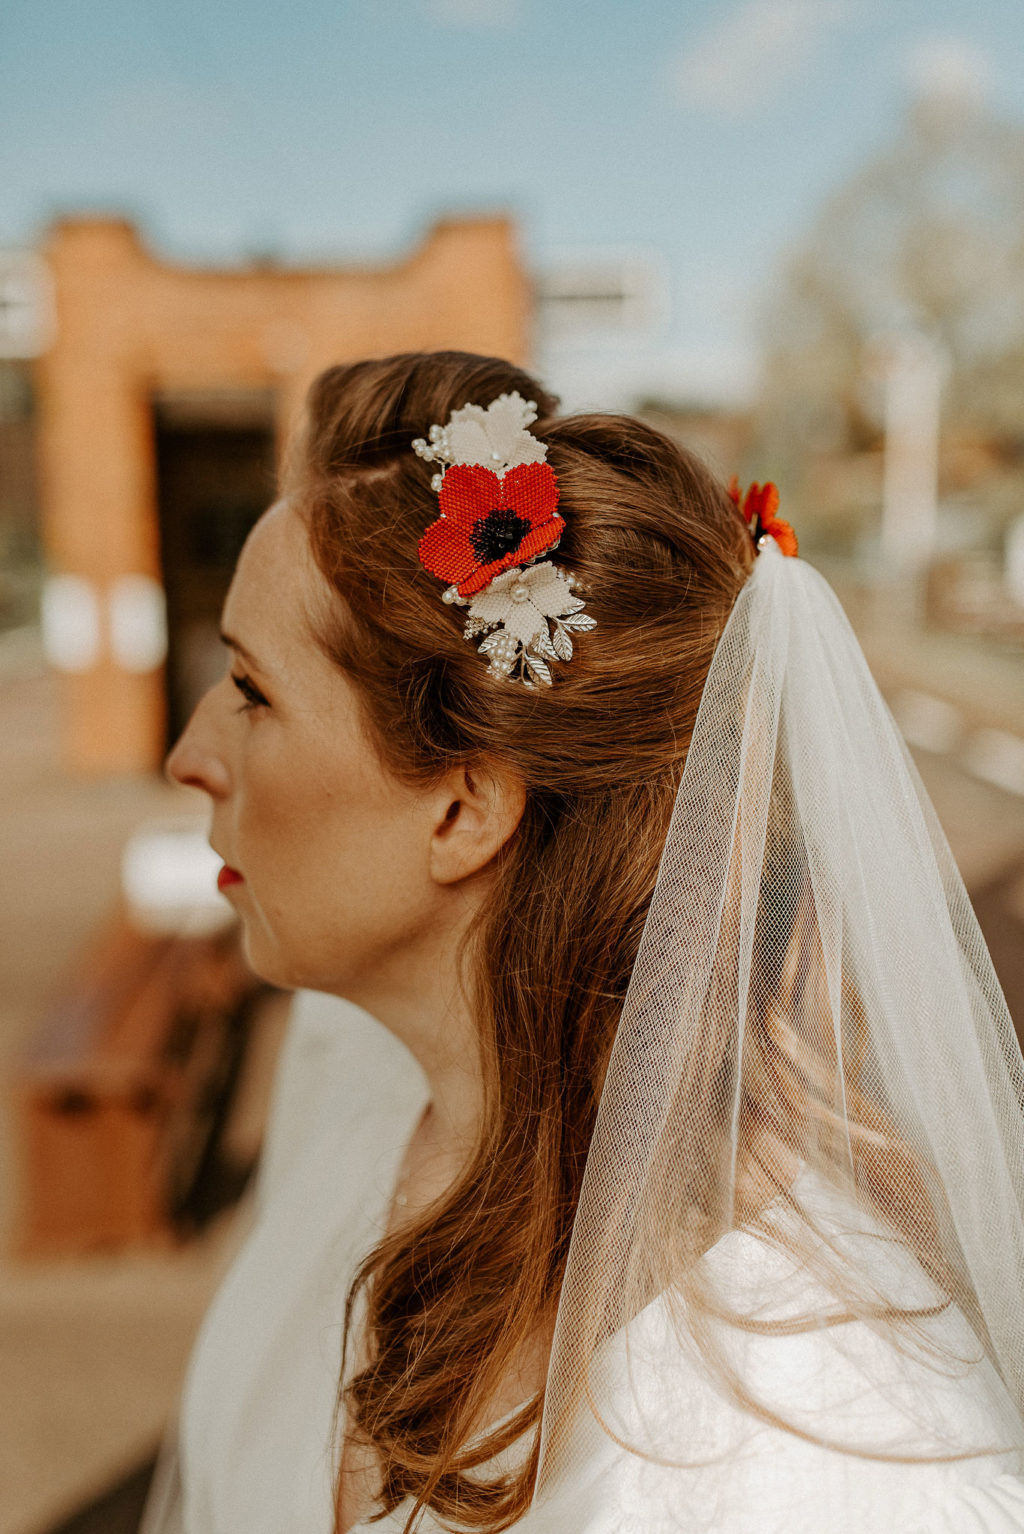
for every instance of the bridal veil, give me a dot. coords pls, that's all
(811, 1127)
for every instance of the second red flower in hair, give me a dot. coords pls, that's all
(760, 508)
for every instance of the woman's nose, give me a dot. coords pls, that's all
(195, 761)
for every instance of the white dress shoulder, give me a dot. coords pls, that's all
(256, 1427)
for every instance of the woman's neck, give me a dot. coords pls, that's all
(420, 998)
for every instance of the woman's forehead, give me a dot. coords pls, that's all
(276, 582)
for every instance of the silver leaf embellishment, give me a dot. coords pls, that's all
(562, 643)
(538, 668)
(543, 646)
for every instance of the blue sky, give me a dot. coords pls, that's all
(705, 133)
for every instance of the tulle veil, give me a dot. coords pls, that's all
(811, 1125)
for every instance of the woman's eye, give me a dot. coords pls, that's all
(252, 695)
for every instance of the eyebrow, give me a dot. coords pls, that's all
(236, 644)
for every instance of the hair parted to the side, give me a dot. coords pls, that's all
(662, 554)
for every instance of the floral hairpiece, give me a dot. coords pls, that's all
(759, 507)
(499, 514)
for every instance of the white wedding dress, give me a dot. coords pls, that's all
(255, 1431)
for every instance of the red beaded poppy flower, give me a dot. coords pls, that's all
(759, 507)
(488, 524)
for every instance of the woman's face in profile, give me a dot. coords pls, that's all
(330, 849)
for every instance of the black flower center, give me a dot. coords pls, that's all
(497, 534)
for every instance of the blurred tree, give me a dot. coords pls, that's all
(927, 239)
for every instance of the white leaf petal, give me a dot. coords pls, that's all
(579, 623)
(491, 604)
(523, 620)
(468, 413)
(552, 595)
(554, 602)
(562, 643)
(469, 443)
(505, 425)
(526, 449)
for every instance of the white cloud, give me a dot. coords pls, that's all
(473, 15)
(951, 68)
(750, 52)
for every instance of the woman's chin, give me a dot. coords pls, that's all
(265, 962)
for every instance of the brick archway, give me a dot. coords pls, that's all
(134, 333)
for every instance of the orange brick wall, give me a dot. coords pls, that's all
(130, 325)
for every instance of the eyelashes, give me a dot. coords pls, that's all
(250, 692)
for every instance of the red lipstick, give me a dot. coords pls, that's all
(228, 876)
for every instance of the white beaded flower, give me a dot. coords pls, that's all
(496, 437)
(517, 608)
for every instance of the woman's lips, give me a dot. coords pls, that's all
(228, 876)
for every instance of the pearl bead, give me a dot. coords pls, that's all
(520, 592)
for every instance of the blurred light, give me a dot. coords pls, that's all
(26, 304)
(71, 623)
(169, 879)
(138, 623)
(1015, 560)
(998, 758)
(928, 722)
(950, 69)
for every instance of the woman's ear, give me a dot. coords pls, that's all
(480, 811)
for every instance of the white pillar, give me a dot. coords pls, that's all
(913, 392)
(1015, 560)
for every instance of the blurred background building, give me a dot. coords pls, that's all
(164, 397)
(788, 232)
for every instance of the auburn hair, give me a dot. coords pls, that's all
(661, 554)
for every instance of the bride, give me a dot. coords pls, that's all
(647, 1150)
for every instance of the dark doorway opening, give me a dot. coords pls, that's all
(215, 457)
